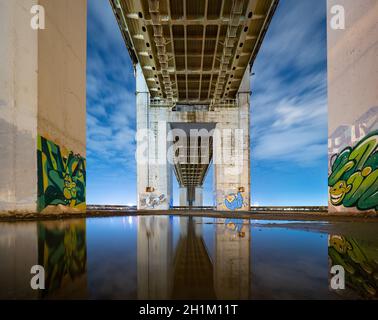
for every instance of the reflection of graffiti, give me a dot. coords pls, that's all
(152, 200)
(360, 263)
(61, 177)
(353, 180)
(236, 226)
(234, 201)
(62, 252)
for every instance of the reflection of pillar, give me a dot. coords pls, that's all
(197, 226)
(18, 253)
(232, 259)
(183, 197)
(198, 198)
(154, 257)
(184, 226)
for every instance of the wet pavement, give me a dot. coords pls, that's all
(181, 257)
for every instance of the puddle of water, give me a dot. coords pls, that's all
(167, 257)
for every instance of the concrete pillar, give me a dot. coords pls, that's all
(198, 198)
(353, 105)
(232, 153)
(183, 197)
(154, 172)
(42, 107)
(142, 97)
(18, 107)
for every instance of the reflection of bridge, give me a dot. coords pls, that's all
(193, 270)
(186, 270)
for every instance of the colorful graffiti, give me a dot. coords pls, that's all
(152, 200)
(61, 177)
(62, 252)
(234, 201)
(236, 226)
(360, 262)
(349, 135)
(353, 180)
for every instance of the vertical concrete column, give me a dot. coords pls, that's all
(183, 197)
(142, 137)
(198, 197)
(61, 145)
(18, 107)
(232, 153)
(352, 105)
(42, 106)
(154, 171)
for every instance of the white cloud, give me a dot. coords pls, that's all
(289, 101)
(110, 93)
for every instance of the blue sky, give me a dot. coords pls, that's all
(288, 110)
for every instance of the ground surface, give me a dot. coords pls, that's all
(271, 215)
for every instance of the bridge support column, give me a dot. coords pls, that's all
(183, 197)
(198, 197)
(353, 107)
(154, 172)
(232, 153)
(42, 106)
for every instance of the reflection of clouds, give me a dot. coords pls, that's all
(288, 264)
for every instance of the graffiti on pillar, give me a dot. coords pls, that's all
(231, 200)
(349, 135)
(234, 201)
(152, 200)
(61, 177)
(353, 179)
(63, 254)
(360, 262)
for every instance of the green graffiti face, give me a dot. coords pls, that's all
(353, 181)
(61, 176)
(338, 192)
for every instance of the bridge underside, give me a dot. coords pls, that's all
(192, 61)
(193, 51)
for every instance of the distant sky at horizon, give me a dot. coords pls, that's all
(288, 110)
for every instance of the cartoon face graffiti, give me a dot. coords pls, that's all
(353, 180)
(339, 243)
(234, 201)
(338, 192)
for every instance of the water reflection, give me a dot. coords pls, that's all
(360, 262)
(60, 247)
(62, 252)
(162, 257)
